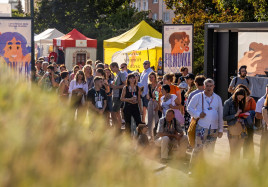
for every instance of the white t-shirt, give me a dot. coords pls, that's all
(260, 104)
(165, 104)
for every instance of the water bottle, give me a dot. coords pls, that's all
(156, 93)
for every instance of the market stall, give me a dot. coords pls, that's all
(76, 47)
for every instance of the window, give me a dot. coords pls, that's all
(154, 16)
(155, 1)
(139, 6)
(81, 58)
(166, 17)
(144, 5)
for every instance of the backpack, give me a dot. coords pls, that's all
(236, 80)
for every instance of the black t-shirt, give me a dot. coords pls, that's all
(97, 97)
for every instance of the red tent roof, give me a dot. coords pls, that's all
(74, 39)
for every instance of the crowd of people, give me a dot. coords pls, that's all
(160, 110)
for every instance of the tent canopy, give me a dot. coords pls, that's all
(74, 39)
(48, 35)
(146, 42)
(131, 36)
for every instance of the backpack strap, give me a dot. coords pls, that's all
(235, 81)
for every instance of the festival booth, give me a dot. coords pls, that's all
(147, 48)
(44, 42)
(113, 46)
(231, 45)
(77, 48)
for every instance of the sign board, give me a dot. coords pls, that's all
(177, 47)
(15, 43)
(253, 52)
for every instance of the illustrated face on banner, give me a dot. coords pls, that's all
(15, 44)
(177, 48)
(179, 42)
(253, 52)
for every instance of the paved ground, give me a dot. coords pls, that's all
(180, 169)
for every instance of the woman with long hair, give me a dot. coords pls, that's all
(153, 97)
(233, 113)
(248, 147)
(131, 95)
(87, 69)
(64, 85)
(78, 89)
(109, 79)
(75, 70)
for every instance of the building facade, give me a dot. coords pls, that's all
(158, 9)
(14, 4)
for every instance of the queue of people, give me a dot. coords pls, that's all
(164, 109)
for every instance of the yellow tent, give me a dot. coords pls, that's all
(118, 43)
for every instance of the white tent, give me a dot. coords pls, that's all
(44, 41)
(145, 44)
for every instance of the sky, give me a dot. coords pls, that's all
(6, 1)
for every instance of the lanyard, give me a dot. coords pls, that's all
(209, 103)
(132, 91)
(98, 95)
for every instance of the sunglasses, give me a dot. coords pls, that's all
(136, 75)
(145, 63)
(122, 67)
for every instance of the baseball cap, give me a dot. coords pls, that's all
(190, 76)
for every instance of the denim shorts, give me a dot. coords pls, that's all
(145, 101)
(116, 104)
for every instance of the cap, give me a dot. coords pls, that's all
(190, 76)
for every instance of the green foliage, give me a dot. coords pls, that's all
(214, 11)
(90, 17)
(15, 13)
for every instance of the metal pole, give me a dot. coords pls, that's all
(32, 39)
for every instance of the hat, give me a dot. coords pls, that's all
(190, 76)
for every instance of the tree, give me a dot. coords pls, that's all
(214, 11)
(91, 18)
(19, 7)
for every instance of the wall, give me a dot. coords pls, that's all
(70, 55)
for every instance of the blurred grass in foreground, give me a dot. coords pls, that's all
(42, 145)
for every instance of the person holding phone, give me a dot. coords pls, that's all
(232, 113)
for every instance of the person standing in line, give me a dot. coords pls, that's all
(75, 70)
(87, 69)
(117, 86)
(64, 86)
(237, 131)
(199, 83)
(109, 80)
(153, 97)
(191, 87)
(78, 89)
(96, 97)
(248, 146)
(131, 95)
(207, 106)
(242, 79)
(144, 83)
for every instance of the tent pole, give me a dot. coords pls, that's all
(148, 53)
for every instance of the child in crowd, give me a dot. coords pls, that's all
(142, 137)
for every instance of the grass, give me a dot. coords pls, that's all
(42, 145)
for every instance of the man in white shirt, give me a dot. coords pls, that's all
(144, 83)
(210, 114)
(260, 104)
